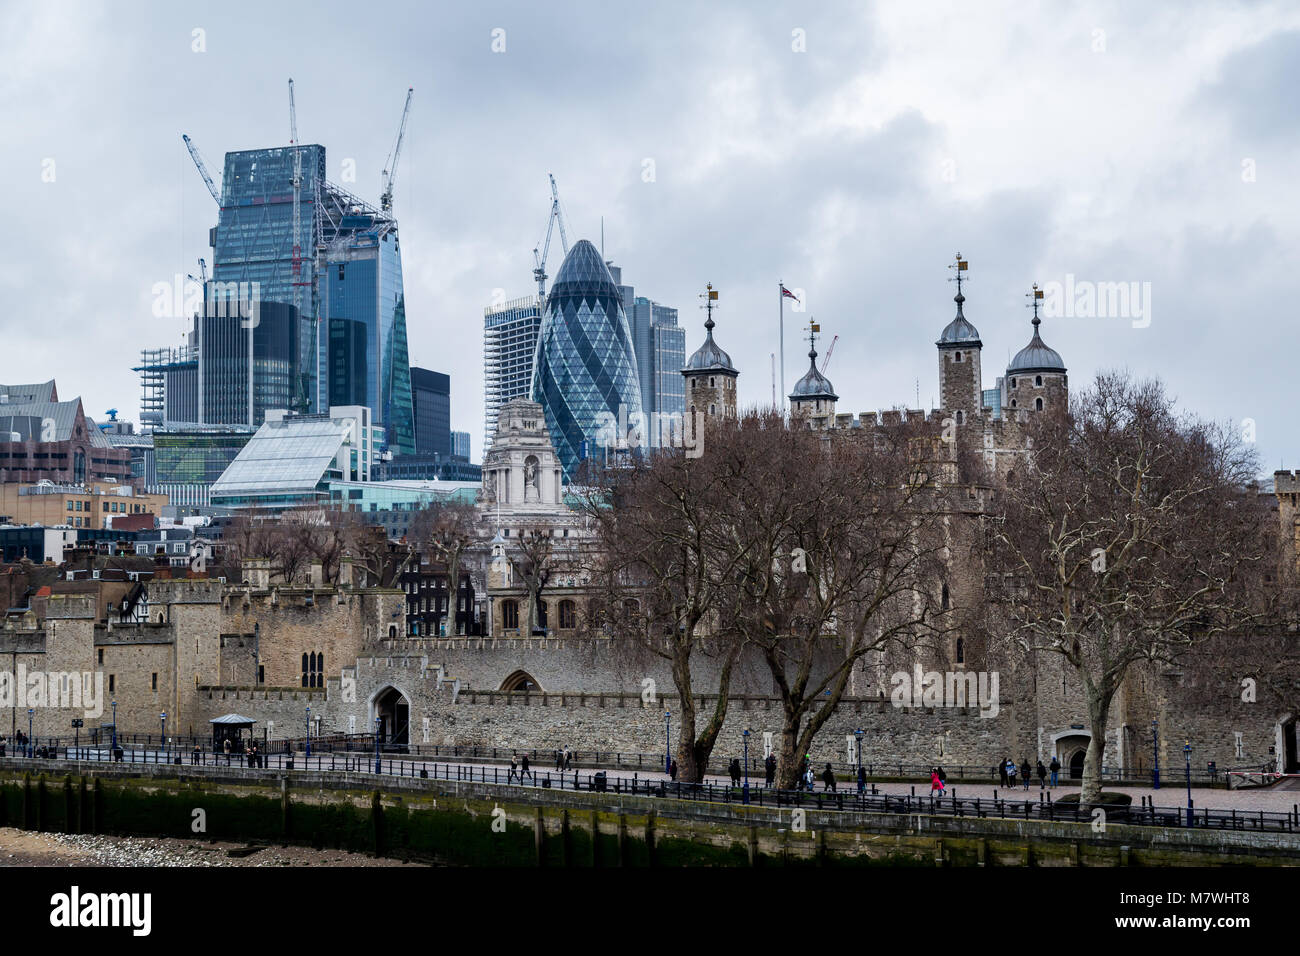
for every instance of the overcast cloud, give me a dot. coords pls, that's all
(1111, 142)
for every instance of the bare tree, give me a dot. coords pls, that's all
(448, 530)
(841, 537)
(1129, 535)
(659, 560)
(532, 559)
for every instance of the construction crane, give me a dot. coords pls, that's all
(297, 201)
(390, 167)
(826, 359)
(203, 169)
(539, 273)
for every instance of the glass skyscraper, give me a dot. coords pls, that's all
(254, 242)
(362, 304)
(585, 365)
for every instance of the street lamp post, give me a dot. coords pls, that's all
(745, 793)
(378, 723)
(309, 730)
(668, 742)
(857, 735)
(31, 748)
(1155, 746)
(113, 749)
(162, 741)
(1187, 753)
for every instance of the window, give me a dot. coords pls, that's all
(106, 506)
(155, 682)
(509, 614)
(960, 417)
(568, 615)
(1038, 380)
(958, 357)
(112, 683)
(961, 651)
(1013, 403)
(1038, 404)
(313, 670)
(261, 673)
(712, 382)
(943, 597)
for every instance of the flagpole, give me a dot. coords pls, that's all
(780, 295)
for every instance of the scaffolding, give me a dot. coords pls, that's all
(153, 368)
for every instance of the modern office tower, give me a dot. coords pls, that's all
(341, 273)
(431, 397)
(509, 344)
(254, 242)
(189, 458)
(585, 372)
(363, 357)
(460, 445)
(292, 460)
(234, 389)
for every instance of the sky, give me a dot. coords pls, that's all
(850, 150)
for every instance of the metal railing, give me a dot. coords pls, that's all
(756, 793)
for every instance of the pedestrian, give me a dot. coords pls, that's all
(672, 769)
(514, 768)
(1042, 776)
(1011, 774)
(225, 746)
(1056, 770)
(862, 779)
(735, 770)
(1026, 772)
(194, 757)
(943, 777)
(808, 777)
(2, 745)
(935, 782)
(828, 778)
(769, 769)
(568, 759)
(1002, 774)
(524, 771)
(559, 762)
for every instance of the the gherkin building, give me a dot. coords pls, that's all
(584, 371)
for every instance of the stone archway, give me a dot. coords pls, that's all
(393, 709)
(1070, 747)
(521, 680)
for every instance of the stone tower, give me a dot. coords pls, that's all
(1036, 378)
(521, 471)
(710, 377)
(960, 378)
(813, 399)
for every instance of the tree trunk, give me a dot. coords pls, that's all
(788, 759)
(1098, 714)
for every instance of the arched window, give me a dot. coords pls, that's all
(509, 614)
(1038, 404)
(961, 651)
(1038, 380)
(960, 417)
(78, 467)
(392, 632)
(957, 357)
(1013, 383)
(712, 382)
(1013, 403)
(568, 615)
(313, 670)
(306, 674)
